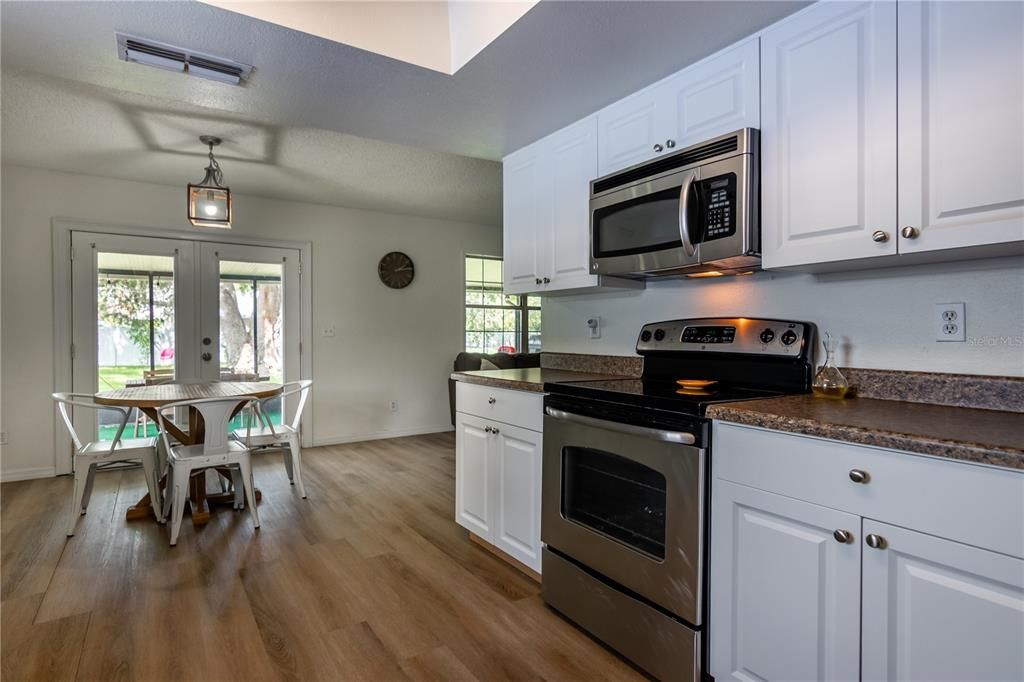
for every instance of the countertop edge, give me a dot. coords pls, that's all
(495, 382)
(971, 453)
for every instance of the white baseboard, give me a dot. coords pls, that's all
(380, 435)
(27, 473)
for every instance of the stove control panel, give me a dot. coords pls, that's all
(745, 335)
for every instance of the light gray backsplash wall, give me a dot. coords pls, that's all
(883, 317)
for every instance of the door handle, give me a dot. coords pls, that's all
(684, 215)
(207, 357)
(680, 437)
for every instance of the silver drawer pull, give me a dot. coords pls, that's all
(492, 400)
(680, 437)
(859, 476)
(843, 536)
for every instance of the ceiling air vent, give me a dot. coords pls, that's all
(173, 58)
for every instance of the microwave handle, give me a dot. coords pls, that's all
(684, 215)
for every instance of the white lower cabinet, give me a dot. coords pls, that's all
(498, 475)
(784, 591)
(940, 610)
(821, 590)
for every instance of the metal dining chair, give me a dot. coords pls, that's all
(216, 450)
(285, 436)
(88, 455)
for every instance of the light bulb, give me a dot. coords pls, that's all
(210, 210)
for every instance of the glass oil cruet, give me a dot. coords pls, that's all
(829, 382)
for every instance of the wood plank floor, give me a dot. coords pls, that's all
(370, 578)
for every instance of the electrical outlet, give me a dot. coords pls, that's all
(950, 322)
(3, 438)
(594, 323)
(393, 406)
(327, 332)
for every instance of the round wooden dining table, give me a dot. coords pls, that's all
(150, 399)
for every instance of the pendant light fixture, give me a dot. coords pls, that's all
(209, 201)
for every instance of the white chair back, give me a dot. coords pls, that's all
(87, 400)
(216, 413)
(291, 388)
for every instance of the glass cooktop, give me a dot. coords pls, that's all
(662, 395)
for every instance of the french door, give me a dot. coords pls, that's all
(150, 310)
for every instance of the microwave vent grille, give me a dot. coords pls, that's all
(685, 157)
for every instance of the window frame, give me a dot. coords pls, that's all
(523, 309)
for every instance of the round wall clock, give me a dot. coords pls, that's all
(396, 270)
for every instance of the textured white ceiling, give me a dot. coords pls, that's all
(308, 123)
(559, 62)
(80, 128)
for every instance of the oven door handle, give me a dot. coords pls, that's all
(680, 437)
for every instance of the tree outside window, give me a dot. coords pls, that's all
(497, 322)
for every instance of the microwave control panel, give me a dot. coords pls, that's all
(718, 206)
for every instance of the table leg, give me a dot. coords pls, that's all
(144, 507)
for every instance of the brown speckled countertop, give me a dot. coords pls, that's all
(528, 378)
(973, 435)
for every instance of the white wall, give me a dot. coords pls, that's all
(885, 317)
(389, 344)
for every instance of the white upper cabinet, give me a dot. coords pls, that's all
(710, 98)
(961, 124)
(547, 214)
(524, 211)
(713, 97)
(939, 610)
(828, 141)
(629, 132)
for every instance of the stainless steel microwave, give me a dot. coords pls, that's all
(695, 210)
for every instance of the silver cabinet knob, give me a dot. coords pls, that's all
(876, 541)
(859, 476)
(492, 400)
(537, 281)
(843, 536)
(547, 280)
(495, 431)
(487, 429)
(658, 147)
(910, 232)
(670, 143)
(880, 236)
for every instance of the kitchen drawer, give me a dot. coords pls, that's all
(519, 408)
(974, 504)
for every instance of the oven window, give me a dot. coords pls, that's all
(647, 223)
(615, 496)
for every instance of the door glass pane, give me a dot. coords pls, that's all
(252, 324)
(135, 329)
(615, 496)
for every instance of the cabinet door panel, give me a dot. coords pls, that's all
(785, 599)
(525, 210)
(935, 609)
(829, 134)
(627, 131)
(714, 97)
(518, 470)
(472, 475)
(961, 123)
(572, 164)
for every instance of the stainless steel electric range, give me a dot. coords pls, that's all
(626, 482)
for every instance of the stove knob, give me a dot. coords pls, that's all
(788, 337)
(659, 334)
(645, 335)
(767, 336)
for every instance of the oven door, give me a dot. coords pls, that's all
(627, 502)
(639, 229)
